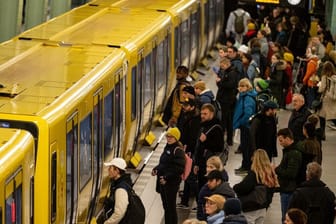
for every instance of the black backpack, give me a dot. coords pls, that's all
(239, 23)
(135, 213)
(218, 109)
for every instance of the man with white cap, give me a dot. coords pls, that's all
(116, 201)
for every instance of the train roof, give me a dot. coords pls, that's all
(48, 73)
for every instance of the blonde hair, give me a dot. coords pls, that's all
(194, 221)
(216, 162)
(246, 82)
(263, 169)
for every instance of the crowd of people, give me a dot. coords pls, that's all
(264, 65)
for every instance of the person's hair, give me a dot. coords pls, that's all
(194, 221)
(208, 106)
(225, 60)
(233, 48)
(216, 162)
(248, 56)
(286, 133)
(277, 55)
(314, 171)
(263, 32)
(328, 69)
(314, 119)
(254, 43)
(181, 69)
(246, 82)
(297, 216)
(262, 167)
(300, 96)
(310, 129)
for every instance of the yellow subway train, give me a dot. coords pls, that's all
(83, 88)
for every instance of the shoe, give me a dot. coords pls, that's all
(238, 151)
(332, 126)
(194, 210)
(182, 206)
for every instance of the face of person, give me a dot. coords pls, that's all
(222, 53)
(212, 184)
(288, 220)
(232, 53)
(210, 207)
(224, 65)
(179, 75)
(284, 142)
(242, 88)
(206, 115)
(198, 91)
(113, 172)
(297, 102)
(186, 95)
(209, 168)
(170, 139)
(274, 59)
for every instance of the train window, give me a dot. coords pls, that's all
(53, 186)
(185, 45)
(177, 46)
(71, 169)
(194, 29)
(160, 67)
(134, 91)
(147, 84)
(85, 156)
(0, 215)
(32, 205)
(108, 124)
(167, 48)
(13, 203)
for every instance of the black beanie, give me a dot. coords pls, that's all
(232, 206)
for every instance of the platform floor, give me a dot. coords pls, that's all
(145, 184)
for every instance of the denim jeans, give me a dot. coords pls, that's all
(284, 199)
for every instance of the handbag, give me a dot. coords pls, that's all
(256, 199)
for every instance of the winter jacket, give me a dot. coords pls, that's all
(311, 70)
(328, 109)
(244, 109)
(227, 86)
(276, 81)
(235, 219)
(288, 169)
(296, 121)
(206, 96)
(316, 200)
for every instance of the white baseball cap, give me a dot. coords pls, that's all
(117, 162)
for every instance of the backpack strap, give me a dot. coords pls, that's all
(210, 129)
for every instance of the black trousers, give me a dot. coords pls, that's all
(245, 146)
(168, 194)
(227, 121)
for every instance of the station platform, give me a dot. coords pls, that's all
(145, 184)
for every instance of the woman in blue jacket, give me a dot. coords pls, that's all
(244, 109)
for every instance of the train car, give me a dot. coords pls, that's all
(17, 164)
(87, 87)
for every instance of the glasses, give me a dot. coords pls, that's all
(210, 202)
(243, 86)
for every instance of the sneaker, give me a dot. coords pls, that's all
(241, 170)
(182, 206)
(332, 126)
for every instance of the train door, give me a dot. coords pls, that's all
(71, 168)
(13, 198)
(148, 90)
(212, 21)
(219, 18)
(97, 141)
(185, 41)
(194, 41)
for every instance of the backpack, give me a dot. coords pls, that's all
(332, 87)
(187, 166)
(218, 109)
(224, 153)
(239, 23)
(135, 213)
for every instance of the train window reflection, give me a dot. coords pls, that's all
(85, 157)
(14, 206)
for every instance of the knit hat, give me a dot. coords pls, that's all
(270, 104)
(175, 132)
(310, 129)
(251, 26)
(189, 89)
(215, 175)
(288, 57)
(200, 85)
(189, 101)
(243, 48)
(117, 162)
(232, 206)
(218, 199)
(262, 84)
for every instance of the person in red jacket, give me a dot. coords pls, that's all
(311, 79)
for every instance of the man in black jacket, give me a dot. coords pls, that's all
(227, 83)
(314, 197)
(263, 129)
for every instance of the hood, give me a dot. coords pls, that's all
(225, 189)
(281, 65)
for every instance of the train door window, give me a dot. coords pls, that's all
(85, 156)
(119, 111)
(140, 92)
(108, 124)
(134, 92)
(167, 48)
(177, 43)
(97, 134)
(71, 168)
(206, 18)
(53, 186)
(147, 79)
(13, 195)
(160, 67)
(185, 45)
